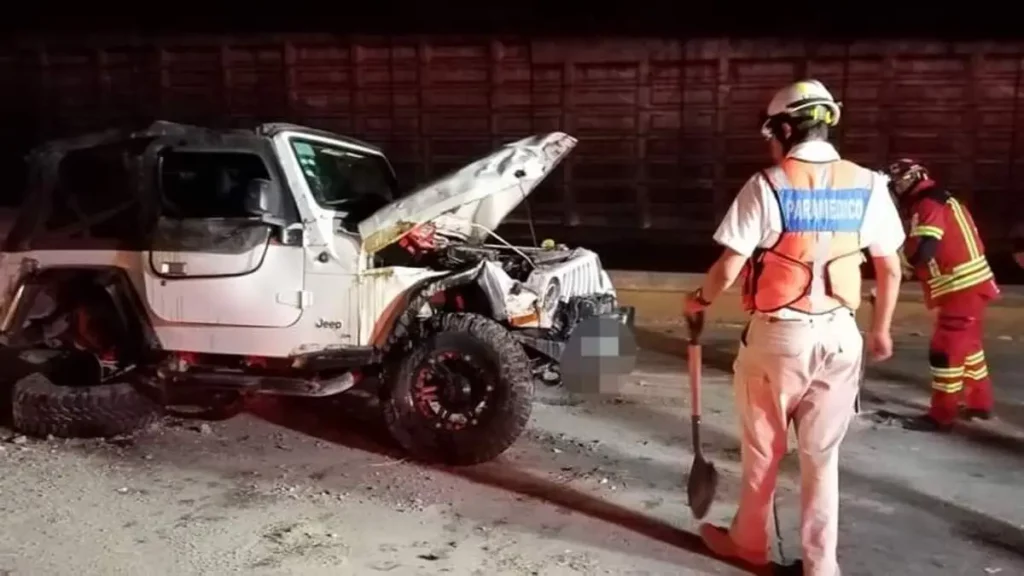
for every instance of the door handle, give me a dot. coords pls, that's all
(173, 268)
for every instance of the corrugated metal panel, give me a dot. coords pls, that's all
(668, 128)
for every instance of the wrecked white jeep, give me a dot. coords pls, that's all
(184, 262)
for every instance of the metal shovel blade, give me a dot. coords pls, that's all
(703, 479)
(701, 486)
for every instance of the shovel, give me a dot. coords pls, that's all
(703, 480)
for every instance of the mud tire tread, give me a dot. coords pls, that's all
(42, 408)
(514, 398)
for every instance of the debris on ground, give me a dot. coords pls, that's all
(595, 488)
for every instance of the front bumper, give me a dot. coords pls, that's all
(598, 324)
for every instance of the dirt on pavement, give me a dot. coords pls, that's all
(596, 487)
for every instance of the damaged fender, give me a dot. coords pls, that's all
(404, 326)
(508, 299)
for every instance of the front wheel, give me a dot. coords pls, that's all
(462, 395)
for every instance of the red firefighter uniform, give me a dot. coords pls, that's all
(958, 282)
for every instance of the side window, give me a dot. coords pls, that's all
(204, 185)
(95, 197)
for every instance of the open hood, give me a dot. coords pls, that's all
(482, 193)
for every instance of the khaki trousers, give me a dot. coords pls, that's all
(807, 371)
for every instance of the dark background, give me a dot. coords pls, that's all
(667, 122)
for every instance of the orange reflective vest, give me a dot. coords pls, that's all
(822, 205)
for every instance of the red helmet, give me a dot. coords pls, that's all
(905, 176)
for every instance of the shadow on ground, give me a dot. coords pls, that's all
(970, 525)
(355, 423)
(359, 427)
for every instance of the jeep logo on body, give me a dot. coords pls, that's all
(329, 324)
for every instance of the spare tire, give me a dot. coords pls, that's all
(462, 394)
(43, 408)
(17, 364)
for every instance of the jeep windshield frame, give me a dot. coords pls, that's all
(344, 178)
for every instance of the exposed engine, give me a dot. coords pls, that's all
(458, 256)
(578, 308)
(544, 292)
(425, 246)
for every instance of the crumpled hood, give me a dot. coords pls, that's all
(482, 193)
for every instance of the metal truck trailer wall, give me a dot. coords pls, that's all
(668, 128)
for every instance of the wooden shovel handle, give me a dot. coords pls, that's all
(693, 364)
(694, 326)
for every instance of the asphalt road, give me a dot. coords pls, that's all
(310, 488)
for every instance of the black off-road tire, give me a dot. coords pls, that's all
(42, 408)
(6, 408)
(510, 405)
(14, 367)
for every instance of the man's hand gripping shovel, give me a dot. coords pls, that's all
(703, 480)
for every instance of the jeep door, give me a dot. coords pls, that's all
(212, 260)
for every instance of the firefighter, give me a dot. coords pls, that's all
(947, 255)
(796, 231)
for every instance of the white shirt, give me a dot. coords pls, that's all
(755, 220)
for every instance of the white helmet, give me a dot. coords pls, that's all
(808, 95)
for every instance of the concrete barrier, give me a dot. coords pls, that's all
(658, 297)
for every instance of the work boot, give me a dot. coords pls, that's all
(721, 544)
(926, 423)
(796, 568)
(975, 414)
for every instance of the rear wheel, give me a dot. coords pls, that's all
(463, 395)
(43, 407)
(85, 388)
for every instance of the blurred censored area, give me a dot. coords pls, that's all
(599, 352)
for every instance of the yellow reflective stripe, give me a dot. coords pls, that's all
(947, 372)
(975, 358)
(959, 270)
(972, 264)
(979, 374)
(964, 283)
(965, 228)
(949, 388)
(928, 231)
(945, 280)
(963, 276)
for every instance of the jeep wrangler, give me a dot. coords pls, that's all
(186, 262)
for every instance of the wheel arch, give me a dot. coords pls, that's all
(399, 321)
(111, 279)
